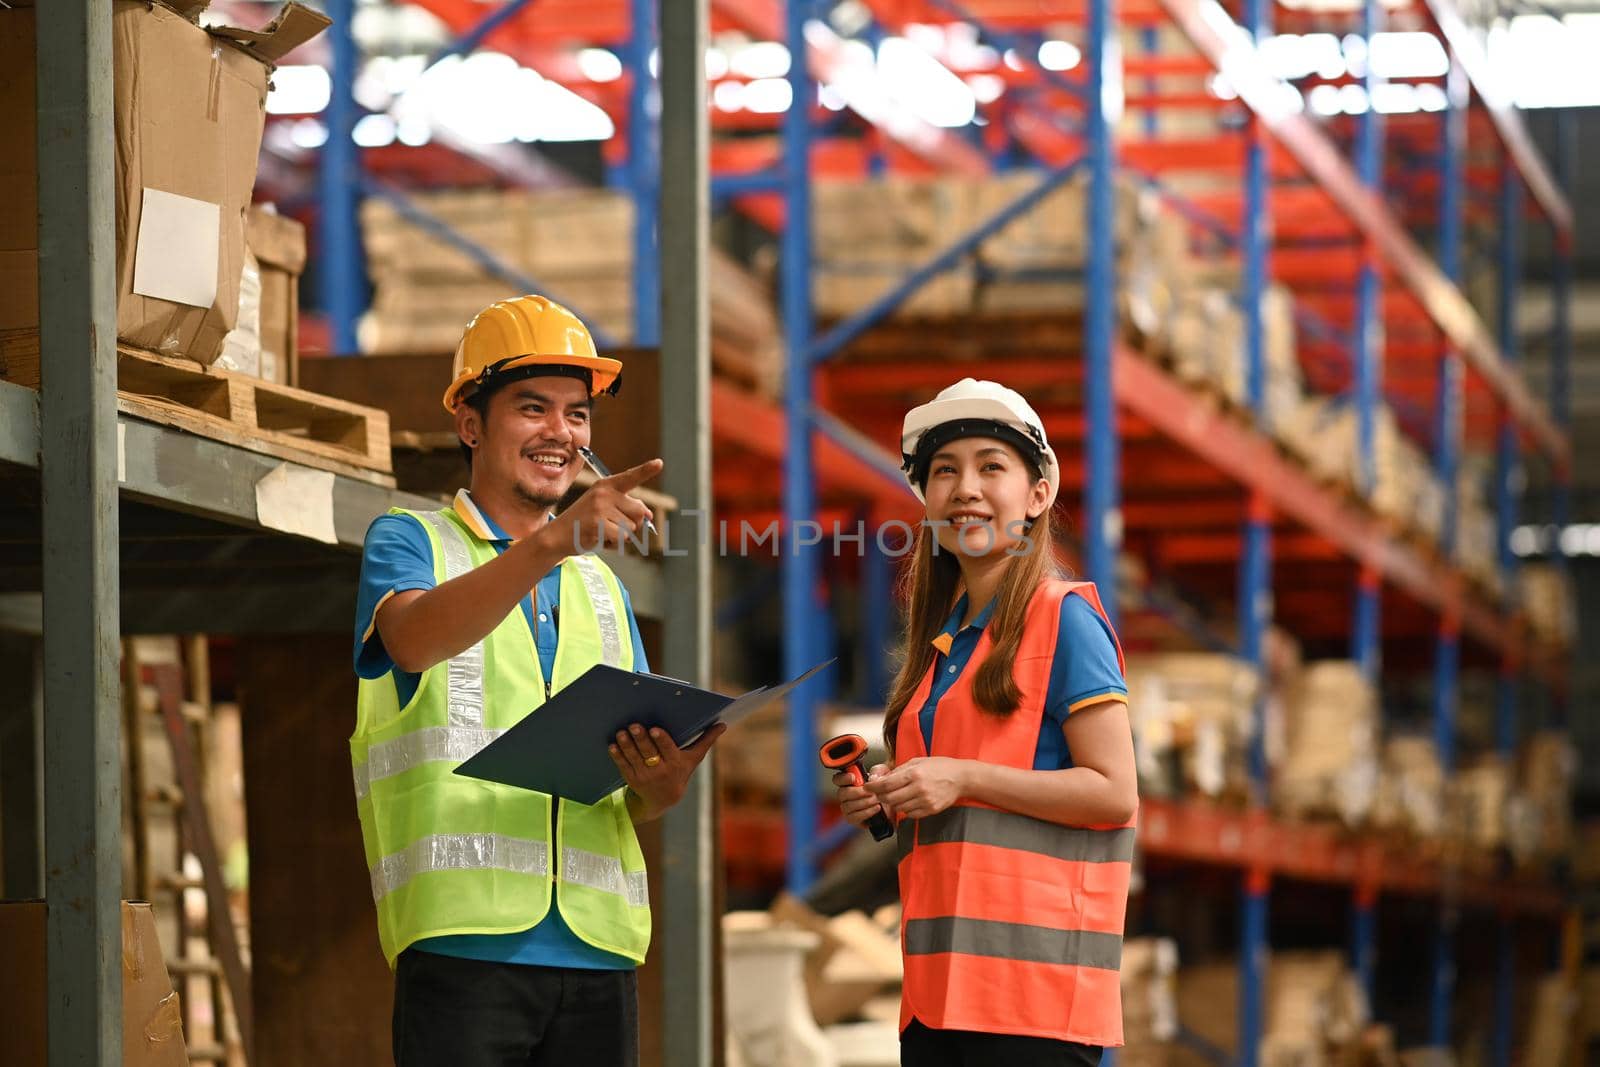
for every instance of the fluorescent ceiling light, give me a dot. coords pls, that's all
(924, 85)
(763, 59)
(299, 90)
(1059, 55)
(1408, 55)
(599, 65)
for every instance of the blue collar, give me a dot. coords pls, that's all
(952, 625)
(476, 520)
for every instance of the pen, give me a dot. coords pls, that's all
(605, 472)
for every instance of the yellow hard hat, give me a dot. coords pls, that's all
(527, 331)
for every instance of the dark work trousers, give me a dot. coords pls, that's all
(923, 1047)
(451, 1012)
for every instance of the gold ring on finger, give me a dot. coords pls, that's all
(651, 761)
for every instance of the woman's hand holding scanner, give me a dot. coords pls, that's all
(844, 754)
(922, 787)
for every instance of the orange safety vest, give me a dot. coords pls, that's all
(1012, 925)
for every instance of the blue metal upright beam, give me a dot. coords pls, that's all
(1102, 507)
(1561, 360)
(1364, 941)
(1506, 695)
(339, 177)
(801, 569)
(877, 593)
(1510, 263)
(1505, 988)
(1447, 443)
(1367, 356)
(644, 173)
(1255, 568)
(1253, 955)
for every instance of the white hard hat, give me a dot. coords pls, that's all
(971, 408)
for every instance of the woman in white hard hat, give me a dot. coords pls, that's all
(1013, 787)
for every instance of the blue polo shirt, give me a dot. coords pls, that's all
(397, 557)
(1083, 671)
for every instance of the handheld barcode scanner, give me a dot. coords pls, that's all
(845, 753)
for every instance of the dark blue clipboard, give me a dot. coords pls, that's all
(561, 748)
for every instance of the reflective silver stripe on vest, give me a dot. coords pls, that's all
(1013, 941)
(605, 873)
(431, 744)
(464, 672)
(459, 852)
(605, 610)
(1004, 829)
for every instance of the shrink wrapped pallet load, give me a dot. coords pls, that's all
(1479, 794)
(1315, 1013)
(1192, 721)
(1411, 783)
(1544, 592)
(1208, 345)
(578, 243)
(1404, 490)
(1330, 766)
(1149, 998)
(869, 235)
(1541, 814)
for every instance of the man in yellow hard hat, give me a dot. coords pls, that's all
(514, 920)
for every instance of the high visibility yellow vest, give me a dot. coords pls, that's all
(455, 855)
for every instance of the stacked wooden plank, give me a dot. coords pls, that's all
(575, 244)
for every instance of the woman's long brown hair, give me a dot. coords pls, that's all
(930, 587)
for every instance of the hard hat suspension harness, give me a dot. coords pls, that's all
(1030, 444)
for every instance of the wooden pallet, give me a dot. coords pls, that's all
(236, 409)
(258, 415)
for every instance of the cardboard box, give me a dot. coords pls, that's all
(277, 245)
(187, 143)
(152, 1026)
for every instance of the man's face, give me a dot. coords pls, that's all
(531, 436)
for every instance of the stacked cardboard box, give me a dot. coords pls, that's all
(1478, 797)
(1330, 767)
(1149, 1001)
(1546, 597)
(1411, 789)
(1192, 721)
(1541, 824)
(870, 235)
(187, 143)
(1316, 1014)
(1477, 542)
(576, 243)
(152, 1024)
(1405, 489)
(1208, 344)
(265, 342)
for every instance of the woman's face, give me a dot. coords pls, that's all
(979, 494)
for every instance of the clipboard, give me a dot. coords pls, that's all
(561, 748)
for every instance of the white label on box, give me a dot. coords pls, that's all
(179, 246)
(298, 501)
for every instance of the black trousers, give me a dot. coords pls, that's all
(451, 1012)
(924, 1047)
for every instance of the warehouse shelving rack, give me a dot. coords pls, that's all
(129, 526)
(1405, 334)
